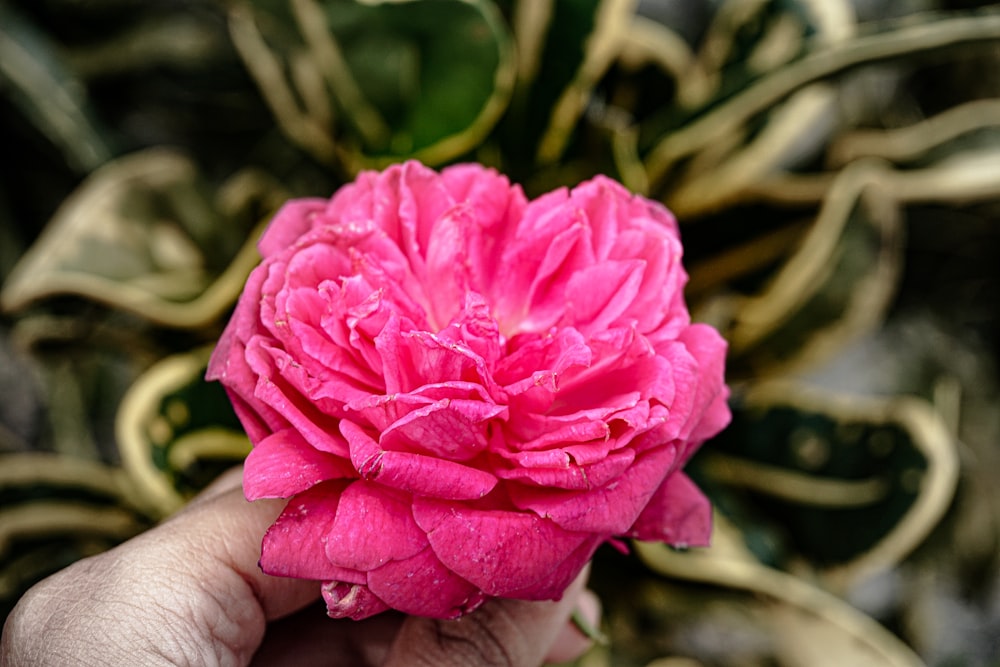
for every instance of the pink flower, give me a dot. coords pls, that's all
(464, 393)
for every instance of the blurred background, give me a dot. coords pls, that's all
(834, 164)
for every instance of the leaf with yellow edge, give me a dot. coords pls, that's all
(670, 141)
(177, 432)
(851, 484)
(141, 234)
(834, 287)
(364, 83)
(805, 625)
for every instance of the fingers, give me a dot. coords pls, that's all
(310, 638)
(572, 642)
(220, 533)
(507, 633)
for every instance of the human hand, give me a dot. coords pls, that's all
(189, 592)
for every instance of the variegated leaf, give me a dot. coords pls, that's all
(177, 432)
(368, 83)
(142, 234)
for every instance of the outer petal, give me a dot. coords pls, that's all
(295, 545)
(291, 221)
(498, 551)
(421, 585)
(709, 414)
(678, 514)
(284, 464)
(373, 526)
(553, 585)
(229, 365)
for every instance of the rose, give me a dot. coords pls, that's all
(464, 393)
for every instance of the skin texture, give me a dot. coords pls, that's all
(189, 592)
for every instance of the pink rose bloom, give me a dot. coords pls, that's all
(464, 393)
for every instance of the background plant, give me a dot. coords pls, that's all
(834, 166)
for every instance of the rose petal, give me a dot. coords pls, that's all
(447, 261)
(583, 430)
(554, 584)
(318, 429)
(454, 429)
(373, 526)
(709, 412)
(573, 475)
(303, 529)
(353, 601)
(608, 510)
(292, 220)
(496, 206)
(597, 295)
(422, 586)
(678, 514)
(414, 473)
(284, 464)
(497, 551)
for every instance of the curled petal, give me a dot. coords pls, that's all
(450, 428)
(414, 473)
(608, 510)
(350, 600)
(572, 475)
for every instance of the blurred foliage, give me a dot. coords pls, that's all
(835, 165)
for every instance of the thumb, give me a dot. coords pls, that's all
(507, 633)
(187, 592)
